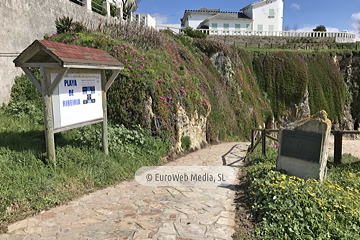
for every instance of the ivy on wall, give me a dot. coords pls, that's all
(285, 76)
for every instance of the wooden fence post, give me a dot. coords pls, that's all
(338, 147)
(263, 139)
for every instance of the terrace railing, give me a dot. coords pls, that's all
(340, 37)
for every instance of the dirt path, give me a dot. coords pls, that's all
(133, 211)
(349, 147)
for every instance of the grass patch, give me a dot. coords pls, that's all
(290, 208)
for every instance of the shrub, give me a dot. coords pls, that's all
(25, 99)
(185, 142)
(189, 31)
(66, 24)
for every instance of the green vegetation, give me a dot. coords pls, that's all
(320, 28)
(175, 74)
(189, 31)
(286, 76)
(66, 24)
(185, 142)
(291, 208)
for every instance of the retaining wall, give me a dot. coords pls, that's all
(23, 21)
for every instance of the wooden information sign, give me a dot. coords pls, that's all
(73, 86)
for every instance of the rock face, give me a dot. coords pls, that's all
(296, 112)
(192, 127)
(349, 64)
(223, 65)
(303, 151)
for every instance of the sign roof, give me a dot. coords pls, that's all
(49, 53)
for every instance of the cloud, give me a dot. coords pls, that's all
(357, 34)
(356, 16)
(309, 28)
(160, 19)
(355, 25)
(295, 6)
(330, 29)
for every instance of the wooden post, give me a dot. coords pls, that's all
(337, 147)
(48, 114)
(105, 140)
(263, 139)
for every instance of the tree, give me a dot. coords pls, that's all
(296, 27)
(320, 28)
(129, 6)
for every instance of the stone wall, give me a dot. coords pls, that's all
(23, 21)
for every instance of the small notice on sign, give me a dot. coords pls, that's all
(78, 99)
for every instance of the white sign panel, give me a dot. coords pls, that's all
(77, 99)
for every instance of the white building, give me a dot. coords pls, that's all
(146, 19)
(173, 27)
(267, 15)
(263, 15)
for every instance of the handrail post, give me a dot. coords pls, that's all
(263, 139)
(337, 147)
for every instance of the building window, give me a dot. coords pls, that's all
(249, 26)
(214, 26)
(226, 26)
(271, 13)
(260, 27)
(237, 26)
(271, 27)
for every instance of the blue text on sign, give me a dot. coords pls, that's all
(71, 102)
(70, 83)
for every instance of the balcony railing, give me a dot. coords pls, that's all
(339, 36)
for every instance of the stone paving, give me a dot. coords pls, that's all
(132, 211)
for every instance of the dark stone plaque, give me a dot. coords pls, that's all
(302, 145)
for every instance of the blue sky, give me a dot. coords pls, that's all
(336, 15)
